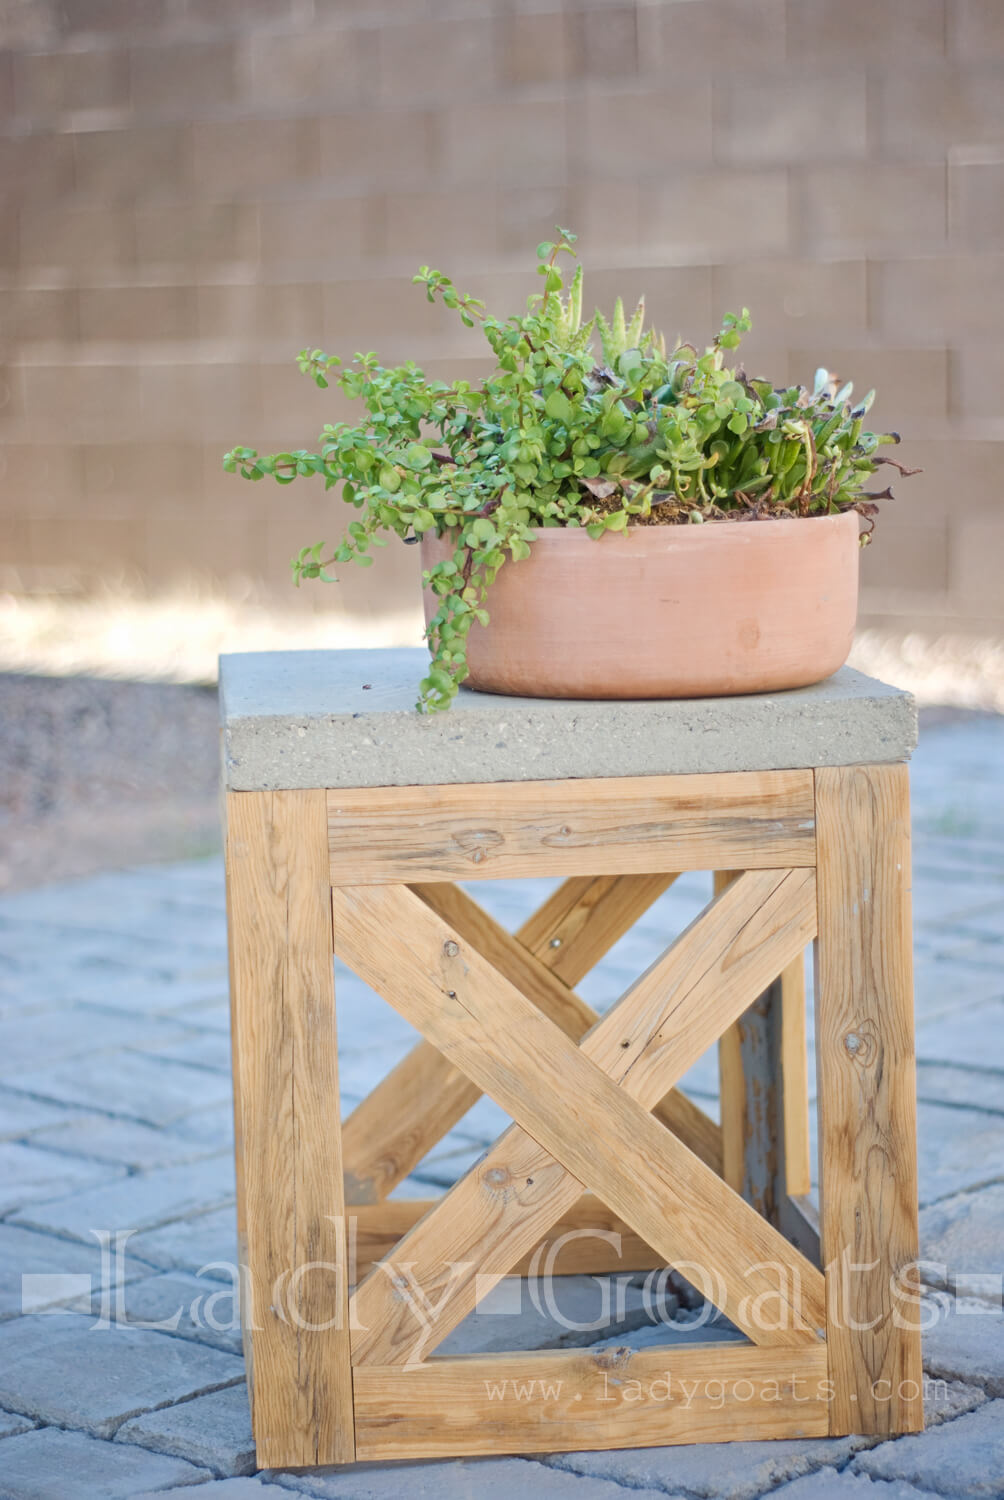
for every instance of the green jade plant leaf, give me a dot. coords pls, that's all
(559, 435)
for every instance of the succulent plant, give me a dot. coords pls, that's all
(558, 436)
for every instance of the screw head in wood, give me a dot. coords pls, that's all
(555, 943)
(451, 949)
(852, 1042)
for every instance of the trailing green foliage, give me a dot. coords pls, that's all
(557, 436)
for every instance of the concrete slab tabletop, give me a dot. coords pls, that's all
(299, 719)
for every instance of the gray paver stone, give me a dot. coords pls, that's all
(188, 1307)
(28, 1173)
(964, 1233)
(829, 1484)
(515, 1316)
(965, 1457)
(213, 1126)
(190, 1244)
(944, 1400)
(966, 1087)
(154, 1092)
(221, 1489)
(20, 1116)
(457, 1479)
(213, 1431)
(38, 1040)
(60, 1262)
(64, 1370)
(51, 1465)
(11, 1424)
(942, 988)
(201, 1049)
(967, 1344)
(973, 1037)
(126, 1143)
(143, 1201)
(185, 1001)
(211, 1014)
(718, 1471)
(957, 1148)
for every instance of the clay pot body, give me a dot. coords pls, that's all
(668, 611)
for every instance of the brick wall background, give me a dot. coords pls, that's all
(193, 189)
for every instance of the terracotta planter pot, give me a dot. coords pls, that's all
(668, 611)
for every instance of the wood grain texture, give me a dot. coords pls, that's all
(653, 824)
(573, 930)
(585, 916)
(557, 1001)
(867, 1092)
(763, 1085)
(588, 1239)
(597, 1130)
(795, 1080)
(422, 1098)
(731, 1083)
(400, 1120)
(573, 1399)
(289, 1162)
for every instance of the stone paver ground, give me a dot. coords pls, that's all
(115, 1141)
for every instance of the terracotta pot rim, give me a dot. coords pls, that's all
(690, 529)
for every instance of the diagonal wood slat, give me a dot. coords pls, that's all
(561, 1004)
(425, 1095)
(585, 916)
(571, 932)
(590, 1123)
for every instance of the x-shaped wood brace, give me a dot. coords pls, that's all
(421, 1099)
(582, 1112)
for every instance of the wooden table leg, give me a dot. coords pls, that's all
(763, 1090)
(867, 1098)
(288, 1133)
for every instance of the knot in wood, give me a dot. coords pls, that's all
(861, 1046)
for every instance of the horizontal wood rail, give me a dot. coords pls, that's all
(571, 1399)
(749, 820)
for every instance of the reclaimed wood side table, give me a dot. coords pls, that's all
(348, 821)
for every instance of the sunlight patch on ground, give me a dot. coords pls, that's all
(950, 670)
(173, 638)
(178, 637)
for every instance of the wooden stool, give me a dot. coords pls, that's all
(348, 820)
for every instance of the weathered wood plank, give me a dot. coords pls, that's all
(573, 1399)
(572, 931)
(654, 824)
(400, 1120)
(577, 1112)
(731, 1083)
(425, 1095)
(601, 1242)
(585, 916)
(288, 1151)
(764, 1099)
(867, 1097)
(794, 1055)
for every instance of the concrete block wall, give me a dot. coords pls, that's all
(192, 190)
